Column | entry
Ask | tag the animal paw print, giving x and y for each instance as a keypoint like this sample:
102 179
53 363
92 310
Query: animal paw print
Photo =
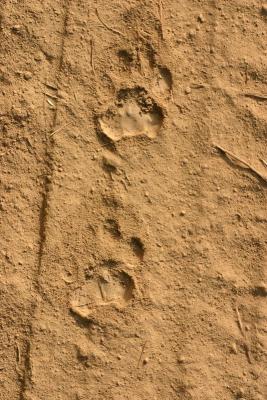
138 110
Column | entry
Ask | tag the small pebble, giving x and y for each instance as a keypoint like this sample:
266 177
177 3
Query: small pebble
234 348
27 75
39 56
16 28
188 90
182 213
264 9
145 361
191 34
201 18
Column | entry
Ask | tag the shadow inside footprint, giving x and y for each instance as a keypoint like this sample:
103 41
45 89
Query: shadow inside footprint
138 247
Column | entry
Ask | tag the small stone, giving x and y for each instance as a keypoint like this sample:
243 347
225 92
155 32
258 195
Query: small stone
39 56
234 348
27 75
191 34
181 360
145 361
16 28
182 213
188 90
264 9
200 18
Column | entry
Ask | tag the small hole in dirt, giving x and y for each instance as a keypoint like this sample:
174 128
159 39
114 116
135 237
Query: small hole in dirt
111 263
126 56
138 247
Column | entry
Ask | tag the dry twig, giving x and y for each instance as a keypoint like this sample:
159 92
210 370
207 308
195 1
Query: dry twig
229 153
18 353
50 85
161 18
92 45
101 291
256 96
263 162
106 26
239 320
241 327
50 95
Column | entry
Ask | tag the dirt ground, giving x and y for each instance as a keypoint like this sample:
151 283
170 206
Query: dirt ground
133 200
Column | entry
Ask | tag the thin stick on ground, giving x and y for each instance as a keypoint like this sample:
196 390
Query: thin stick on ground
92 45
142 352
50 85
229 153
263 162
240 323
50 95
18 353
256 96
242 330
106 26
161 18
101 291
58 130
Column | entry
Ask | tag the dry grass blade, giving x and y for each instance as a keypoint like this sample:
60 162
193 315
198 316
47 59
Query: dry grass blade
106 26
50 95
256 96
240 323
92 45
58 130
245 163
160 6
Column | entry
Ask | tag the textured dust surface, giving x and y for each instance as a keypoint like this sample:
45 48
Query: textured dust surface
133 213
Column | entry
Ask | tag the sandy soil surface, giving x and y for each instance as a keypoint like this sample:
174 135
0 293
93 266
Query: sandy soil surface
133 200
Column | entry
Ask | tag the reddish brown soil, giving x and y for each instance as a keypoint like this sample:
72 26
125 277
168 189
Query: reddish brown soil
133 250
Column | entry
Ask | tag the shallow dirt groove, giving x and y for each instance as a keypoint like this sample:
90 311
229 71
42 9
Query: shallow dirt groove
133 252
